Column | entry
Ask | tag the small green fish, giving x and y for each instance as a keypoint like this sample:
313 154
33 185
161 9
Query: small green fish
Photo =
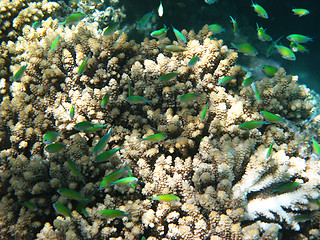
216 28
55 44
73 18
142 23
246 48
180 37
155 137
272 47
166 198
271 117
105 100
298 38
160 10
112 27
62 209
112 213
30 205
75 170
296 47
268 70
188 97
19 73
132 184
54 147
193 61
161 33
106 155
248 81
260 10
300 11
251 125
316 147
256 92
36 24
137 99
102 142
204 112
262 34
235 26
95 127
143 238
287 187
167 77
50 137
225 80
71 194
125 181
269 150
173 48
83 65
72 112
112 177
286 53
82 126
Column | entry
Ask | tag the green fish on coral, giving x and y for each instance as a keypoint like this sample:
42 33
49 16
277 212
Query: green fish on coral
161 33
155 137
173 48
316 147
62 210
73 18
105 100
112 177
72 112
248 81
167 77
112 213
83 65
102 142
216 28
55 44
54 147
19 73
137 100
166 198
105 156
287 187
225 80
180 37
30 205
75 170
204 112
71 194
193 61
125 181
251 125
272 117
110 29
50 137
188 97
269 150
268 70
246 49
83 126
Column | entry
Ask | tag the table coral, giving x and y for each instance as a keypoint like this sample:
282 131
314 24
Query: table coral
220 172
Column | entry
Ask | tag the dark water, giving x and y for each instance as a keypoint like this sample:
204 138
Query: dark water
184 14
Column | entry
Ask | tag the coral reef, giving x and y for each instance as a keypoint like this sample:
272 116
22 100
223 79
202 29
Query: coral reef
221 173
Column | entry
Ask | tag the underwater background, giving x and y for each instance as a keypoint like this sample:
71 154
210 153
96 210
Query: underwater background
159 119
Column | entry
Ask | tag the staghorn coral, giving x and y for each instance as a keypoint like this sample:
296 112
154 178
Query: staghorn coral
220 172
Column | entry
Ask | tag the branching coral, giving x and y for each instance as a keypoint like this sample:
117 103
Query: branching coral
220 172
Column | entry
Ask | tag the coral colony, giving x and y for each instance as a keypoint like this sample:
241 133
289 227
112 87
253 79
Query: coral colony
105 138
